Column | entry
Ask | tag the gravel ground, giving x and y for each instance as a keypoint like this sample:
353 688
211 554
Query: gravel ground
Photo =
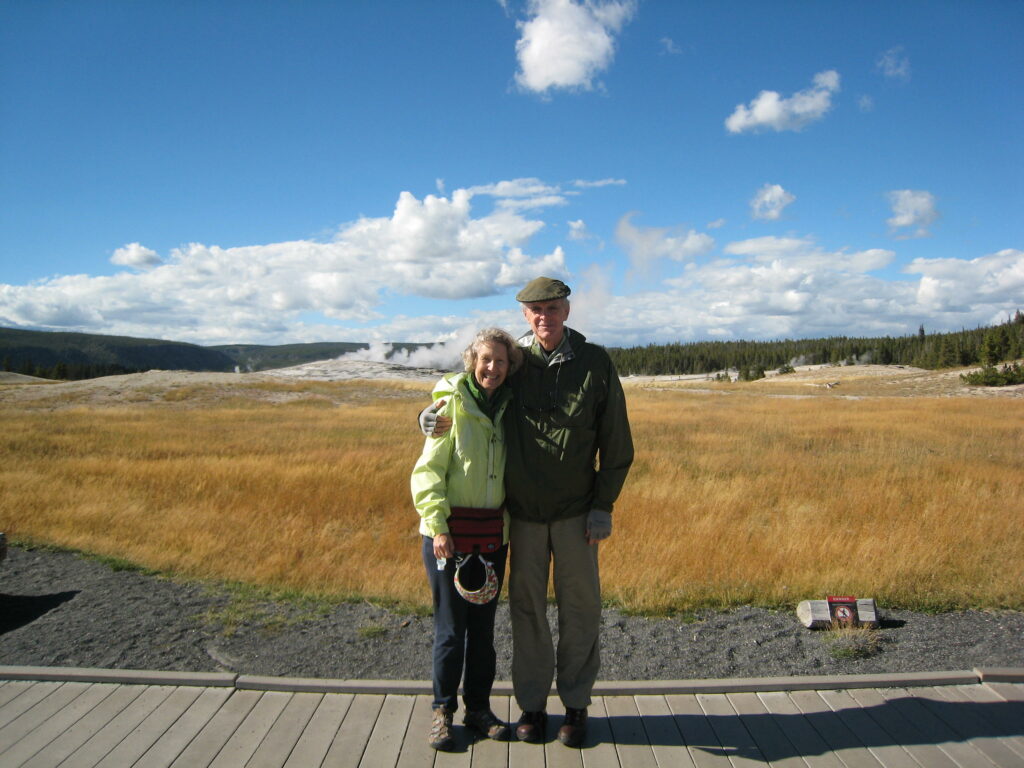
61 609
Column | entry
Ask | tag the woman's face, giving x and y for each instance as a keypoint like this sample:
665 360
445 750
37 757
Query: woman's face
491 366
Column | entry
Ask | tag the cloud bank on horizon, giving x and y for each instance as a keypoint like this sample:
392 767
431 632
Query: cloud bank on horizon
745 263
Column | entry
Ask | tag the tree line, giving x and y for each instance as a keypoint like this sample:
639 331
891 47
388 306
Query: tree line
987 346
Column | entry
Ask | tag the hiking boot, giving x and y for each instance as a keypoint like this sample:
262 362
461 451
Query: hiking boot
532 726
486 724
574 727
441 730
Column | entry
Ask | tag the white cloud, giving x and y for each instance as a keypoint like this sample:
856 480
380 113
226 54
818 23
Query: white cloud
645 245
135 255
958 285
865 103
567 44
716 224
578 230
584 184
894 64
770 110
769 202
668 46
432 247
912 208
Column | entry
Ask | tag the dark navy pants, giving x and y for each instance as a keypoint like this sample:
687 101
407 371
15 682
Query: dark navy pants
463 635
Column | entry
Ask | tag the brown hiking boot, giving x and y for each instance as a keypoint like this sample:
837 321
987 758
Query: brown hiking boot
441 730
574 727
486 724
532 727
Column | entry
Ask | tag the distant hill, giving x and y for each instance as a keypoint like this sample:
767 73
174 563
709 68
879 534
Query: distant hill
258 357
63 355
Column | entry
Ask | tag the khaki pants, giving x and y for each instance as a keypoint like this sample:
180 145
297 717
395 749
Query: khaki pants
578 594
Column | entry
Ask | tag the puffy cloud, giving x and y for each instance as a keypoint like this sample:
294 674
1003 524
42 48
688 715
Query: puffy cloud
432 247
770 110
645 245
135 255
912 208
894 64
769 202
566 44
958 285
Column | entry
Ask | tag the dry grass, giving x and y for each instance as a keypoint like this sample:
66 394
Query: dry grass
734 499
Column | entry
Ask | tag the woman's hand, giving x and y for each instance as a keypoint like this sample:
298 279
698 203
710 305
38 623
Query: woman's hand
444 545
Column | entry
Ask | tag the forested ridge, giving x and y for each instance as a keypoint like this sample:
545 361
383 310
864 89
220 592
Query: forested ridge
985 346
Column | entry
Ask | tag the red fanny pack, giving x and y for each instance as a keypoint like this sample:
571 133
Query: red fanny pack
476 530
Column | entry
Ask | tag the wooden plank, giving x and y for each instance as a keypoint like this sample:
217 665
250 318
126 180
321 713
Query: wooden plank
146 733
556 754
251 732
631 742
32 694
202 750
842 741
970 721
1006 715
388 732
166 749
880 743
701 741
522 754
488 753
18 753
666 742
350 740
806 741
32 717
933 729
10 689
123 723
121 696
599 747
900 729
763 728
416 753
1007 691
284 734
737 743
316 739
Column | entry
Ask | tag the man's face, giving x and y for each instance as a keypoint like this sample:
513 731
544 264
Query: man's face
547 320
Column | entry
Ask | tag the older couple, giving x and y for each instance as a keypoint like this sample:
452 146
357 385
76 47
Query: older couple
531 446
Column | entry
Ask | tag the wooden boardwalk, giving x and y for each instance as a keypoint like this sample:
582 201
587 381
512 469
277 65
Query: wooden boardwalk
82 718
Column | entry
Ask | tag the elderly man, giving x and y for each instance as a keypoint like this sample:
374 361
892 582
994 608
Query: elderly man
569 449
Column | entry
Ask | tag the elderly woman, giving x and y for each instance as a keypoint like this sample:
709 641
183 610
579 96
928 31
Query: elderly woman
458 482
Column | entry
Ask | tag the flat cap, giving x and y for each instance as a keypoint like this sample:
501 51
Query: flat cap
543 289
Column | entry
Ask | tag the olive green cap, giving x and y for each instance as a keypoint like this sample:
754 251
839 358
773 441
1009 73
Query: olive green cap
543 289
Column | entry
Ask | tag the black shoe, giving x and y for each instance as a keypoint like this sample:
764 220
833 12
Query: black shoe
574 727
532 727
486 724
441 730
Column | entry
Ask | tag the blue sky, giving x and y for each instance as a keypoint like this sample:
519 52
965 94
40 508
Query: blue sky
277 172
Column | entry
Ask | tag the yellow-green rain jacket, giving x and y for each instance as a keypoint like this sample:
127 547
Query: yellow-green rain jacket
466 466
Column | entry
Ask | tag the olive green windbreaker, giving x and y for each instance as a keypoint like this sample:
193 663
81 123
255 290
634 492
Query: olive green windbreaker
567 433
466 466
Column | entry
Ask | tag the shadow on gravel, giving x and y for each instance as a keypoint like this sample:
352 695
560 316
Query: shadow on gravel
18 610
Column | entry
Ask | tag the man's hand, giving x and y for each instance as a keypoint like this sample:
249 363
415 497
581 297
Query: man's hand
599 525
444 546
431 424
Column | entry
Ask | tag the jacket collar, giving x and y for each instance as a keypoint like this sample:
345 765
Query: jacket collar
563 353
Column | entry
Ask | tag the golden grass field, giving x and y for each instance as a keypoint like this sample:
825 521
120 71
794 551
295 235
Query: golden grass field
737 495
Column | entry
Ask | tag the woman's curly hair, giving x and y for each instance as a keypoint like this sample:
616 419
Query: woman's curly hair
493 336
